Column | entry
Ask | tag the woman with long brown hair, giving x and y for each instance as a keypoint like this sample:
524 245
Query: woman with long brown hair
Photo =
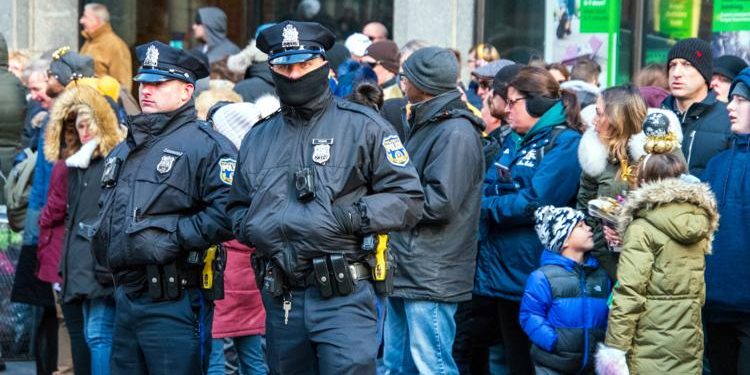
539 168
608 152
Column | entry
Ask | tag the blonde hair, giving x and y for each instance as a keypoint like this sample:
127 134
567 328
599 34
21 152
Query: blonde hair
208 98
485 51
625 111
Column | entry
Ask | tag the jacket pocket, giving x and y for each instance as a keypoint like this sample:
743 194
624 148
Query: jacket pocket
153 240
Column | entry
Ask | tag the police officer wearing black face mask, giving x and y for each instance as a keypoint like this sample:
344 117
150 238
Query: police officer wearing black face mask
162 209
312 181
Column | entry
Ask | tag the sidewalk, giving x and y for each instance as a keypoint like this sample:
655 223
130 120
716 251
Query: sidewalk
20 368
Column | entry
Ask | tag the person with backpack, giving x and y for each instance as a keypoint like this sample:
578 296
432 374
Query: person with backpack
538 168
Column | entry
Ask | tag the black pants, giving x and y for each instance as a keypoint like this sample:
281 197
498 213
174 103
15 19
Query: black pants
45 341
476 331
728 348
73 315
517 344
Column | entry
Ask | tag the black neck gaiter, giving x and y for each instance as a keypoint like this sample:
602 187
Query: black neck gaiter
298 92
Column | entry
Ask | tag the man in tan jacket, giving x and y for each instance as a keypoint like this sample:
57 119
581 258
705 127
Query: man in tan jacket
111 54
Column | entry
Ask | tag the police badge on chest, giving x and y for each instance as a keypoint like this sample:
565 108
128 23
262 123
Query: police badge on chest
168 158
321 150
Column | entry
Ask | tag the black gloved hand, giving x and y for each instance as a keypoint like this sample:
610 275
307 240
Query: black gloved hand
348 217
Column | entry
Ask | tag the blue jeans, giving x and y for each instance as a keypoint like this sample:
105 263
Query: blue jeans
419 337
249 352
30 234
99 319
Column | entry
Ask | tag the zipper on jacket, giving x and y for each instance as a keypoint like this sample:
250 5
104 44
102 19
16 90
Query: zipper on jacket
690 147
585 319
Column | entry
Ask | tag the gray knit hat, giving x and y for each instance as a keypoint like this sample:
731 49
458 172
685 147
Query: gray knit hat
68 65
433 70
553 225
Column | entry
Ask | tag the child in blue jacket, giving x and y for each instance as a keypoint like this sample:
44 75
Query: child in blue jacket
564 306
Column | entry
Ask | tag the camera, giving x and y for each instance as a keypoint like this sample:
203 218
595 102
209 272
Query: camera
111 172
304 184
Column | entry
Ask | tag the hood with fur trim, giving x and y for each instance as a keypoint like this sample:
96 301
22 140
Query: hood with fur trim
104 121
681 226
594 156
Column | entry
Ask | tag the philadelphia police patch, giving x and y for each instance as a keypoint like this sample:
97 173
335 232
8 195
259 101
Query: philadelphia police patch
226 170
395 151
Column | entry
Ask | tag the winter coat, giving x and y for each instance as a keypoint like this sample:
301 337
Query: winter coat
600 177
258 82
435 260
667 227
564 312
585 92
241 312
168 196
543 170
83 276
111 55
217 46
52 226
394 111
42 171
727 175
12 115
365 168
706 128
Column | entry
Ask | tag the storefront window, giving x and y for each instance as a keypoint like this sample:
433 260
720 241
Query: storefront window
515 28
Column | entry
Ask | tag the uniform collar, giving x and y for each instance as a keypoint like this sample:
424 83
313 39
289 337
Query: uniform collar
146 127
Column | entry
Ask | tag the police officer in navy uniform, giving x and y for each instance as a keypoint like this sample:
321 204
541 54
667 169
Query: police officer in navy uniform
312 181
162 206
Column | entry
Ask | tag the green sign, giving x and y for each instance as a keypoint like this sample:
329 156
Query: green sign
677 18
731 15
595 16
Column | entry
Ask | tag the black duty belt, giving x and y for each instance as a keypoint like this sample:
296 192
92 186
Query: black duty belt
359 271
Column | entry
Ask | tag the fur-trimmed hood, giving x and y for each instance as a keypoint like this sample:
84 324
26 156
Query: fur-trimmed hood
683 226
104 122
594 156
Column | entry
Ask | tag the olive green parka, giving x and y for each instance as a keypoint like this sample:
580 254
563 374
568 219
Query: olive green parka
667 228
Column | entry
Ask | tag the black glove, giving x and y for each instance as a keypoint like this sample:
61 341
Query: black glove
348 217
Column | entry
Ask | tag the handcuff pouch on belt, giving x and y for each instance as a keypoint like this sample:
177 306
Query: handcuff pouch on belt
204 270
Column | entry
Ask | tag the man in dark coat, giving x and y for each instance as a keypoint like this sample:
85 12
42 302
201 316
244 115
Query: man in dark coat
163 197
210 28
436 259
313 180
705 121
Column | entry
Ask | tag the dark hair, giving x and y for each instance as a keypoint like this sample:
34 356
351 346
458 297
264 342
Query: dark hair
367 94
586 70
542 90
560 68
654 167
652 75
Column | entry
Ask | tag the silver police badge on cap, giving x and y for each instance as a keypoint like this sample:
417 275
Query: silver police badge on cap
291 37
152 57
321 150
166 163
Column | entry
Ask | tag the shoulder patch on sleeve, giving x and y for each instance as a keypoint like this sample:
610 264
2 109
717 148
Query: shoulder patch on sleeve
226 170
395 151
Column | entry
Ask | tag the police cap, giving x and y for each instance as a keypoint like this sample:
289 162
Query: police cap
160 62
291 42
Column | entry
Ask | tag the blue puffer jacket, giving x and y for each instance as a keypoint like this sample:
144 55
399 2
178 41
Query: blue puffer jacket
564 312
42 173
544 170
727 173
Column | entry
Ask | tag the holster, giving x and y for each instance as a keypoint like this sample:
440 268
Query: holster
273 280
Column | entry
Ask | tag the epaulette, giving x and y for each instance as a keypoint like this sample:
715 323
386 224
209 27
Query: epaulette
206 127
361 109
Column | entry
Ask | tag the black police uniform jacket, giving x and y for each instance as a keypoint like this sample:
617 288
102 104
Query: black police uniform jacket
169 197
359 159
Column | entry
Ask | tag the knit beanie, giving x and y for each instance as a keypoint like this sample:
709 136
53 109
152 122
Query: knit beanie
729 66
741 84
553 225
68 65
433 70
697 52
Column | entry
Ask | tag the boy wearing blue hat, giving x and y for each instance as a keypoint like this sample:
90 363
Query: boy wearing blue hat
162 208
727 309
